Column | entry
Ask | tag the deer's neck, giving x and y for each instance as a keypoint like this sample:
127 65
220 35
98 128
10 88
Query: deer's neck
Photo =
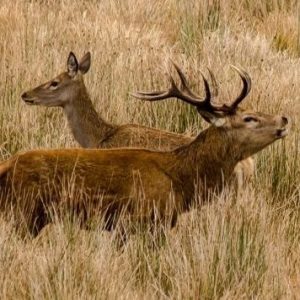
208 161
88 128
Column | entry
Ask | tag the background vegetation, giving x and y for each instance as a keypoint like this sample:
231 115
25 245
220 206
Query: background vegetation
249 248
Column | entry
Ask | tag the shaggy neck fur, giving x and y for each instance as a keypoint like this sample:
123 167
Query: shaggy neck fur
88 128
212 157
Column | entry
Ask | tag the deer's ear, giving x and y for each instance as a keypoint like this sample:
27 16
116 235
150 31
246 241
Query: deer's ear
72 64
212 119
218 122
85 63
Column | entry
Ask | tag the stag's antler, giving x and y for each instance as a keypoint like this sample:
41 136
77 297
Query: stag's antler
184 84
185 94
246 87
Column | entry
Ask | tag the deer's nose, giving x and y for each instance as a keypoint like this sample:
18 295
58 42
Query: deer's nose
284 120
24 95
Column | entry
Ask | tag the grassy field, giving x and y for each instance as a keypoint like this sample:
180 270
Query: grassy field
230 249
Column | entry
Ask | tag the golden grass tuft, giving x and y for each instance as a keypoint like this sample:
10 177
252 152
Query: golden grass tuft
230 249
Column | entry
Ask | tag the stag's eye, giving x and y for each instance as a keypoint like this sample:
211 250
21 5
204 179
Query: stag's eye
250 119
54 84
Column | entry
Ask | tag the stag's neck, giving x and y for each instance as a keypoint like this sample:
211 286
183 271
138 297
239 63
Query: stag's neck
88 128
210 158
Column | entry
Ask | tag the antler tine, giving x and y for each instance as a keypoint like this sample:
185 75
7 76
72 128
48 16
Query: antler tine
183 81
157 95
220 110
214 83
207 89
154 93
185 94
246 87
204 104
149 96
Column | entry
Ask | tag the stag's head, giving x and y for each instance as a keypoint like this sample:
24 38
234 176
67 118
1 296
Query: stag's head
247 131
62 89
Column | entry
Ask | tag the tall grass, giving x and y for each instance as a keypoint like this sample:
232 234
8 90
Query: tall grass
230 249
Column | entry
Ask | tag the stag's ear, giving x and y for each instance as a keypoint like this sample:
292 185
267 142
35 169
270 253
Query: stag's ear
218 122
72 64
85 63
212 119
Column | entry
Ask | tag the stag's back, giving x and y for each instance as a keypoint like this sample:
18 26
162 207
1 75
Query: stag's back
115 171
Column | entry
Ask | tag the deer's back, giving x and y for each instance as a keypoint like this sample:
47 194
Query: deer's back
132 135
110 180
120 174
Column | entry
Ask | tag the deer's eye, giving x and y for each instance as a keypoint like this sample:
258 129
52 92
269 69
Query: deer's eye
54 84
250 119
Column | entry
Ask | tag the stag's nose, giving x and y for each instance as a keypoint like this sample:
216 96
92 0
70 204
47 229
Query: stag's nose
284 121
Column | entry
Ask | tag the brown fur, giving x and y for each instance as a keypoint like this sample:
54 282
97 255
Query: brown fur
145 184
92 131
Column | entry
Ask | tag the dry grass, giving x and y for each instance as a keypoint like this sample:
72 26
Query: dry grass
229 249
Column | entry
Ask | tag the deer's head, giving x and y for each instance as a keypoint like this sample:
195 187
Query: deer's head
247 131
62 89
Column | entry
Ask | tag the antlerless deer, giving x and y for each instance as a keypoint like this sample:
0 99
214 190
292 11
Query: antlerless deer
68 91
144 184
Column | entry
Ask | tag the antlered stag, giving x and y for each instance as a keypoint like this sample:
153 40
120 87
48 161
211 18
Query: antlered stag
68 91
146 185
